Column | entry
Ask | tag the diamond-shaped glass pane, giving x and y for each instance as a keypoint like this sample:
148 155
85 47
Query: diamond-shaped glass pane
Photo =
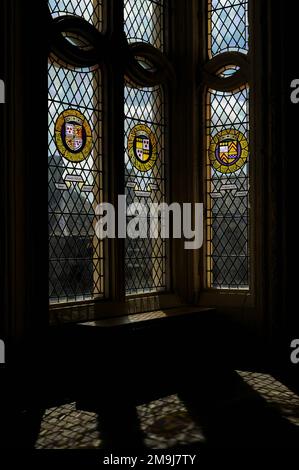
75 183
145 258
228 26
228 190
143 21
90 10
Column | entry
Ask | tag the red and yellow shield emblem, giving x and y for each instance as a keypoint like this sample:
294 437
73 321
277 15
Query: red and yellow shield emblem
73 135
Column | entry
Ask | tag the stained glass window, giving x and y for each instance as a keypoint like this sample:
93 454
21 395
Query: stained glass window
227 164
76 264
145 175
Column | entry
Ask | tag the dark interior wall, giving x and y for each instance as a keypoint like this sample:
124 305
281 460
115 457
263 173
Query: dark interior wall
273 183
23 172
287 193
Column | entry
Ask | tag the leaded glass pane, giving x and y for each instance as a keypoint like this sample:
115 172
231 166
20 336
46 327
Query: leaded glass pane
143 21
145 258
75 183
228 26
228 189
90 10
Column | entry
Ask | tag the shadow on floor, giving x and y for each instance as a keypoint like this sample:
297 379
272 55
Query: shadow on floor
227 410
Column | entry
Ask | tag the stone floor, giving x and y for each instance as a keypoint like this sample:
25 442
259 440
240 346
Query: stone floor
165 422
275 393
267 405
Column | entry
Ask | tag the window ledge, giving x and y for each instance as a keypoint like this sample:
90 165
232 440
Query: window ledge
147 317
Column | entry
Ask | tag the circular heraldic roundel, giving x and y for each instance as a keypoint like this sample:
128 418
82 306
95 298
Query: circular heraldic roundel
228 151
73 135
